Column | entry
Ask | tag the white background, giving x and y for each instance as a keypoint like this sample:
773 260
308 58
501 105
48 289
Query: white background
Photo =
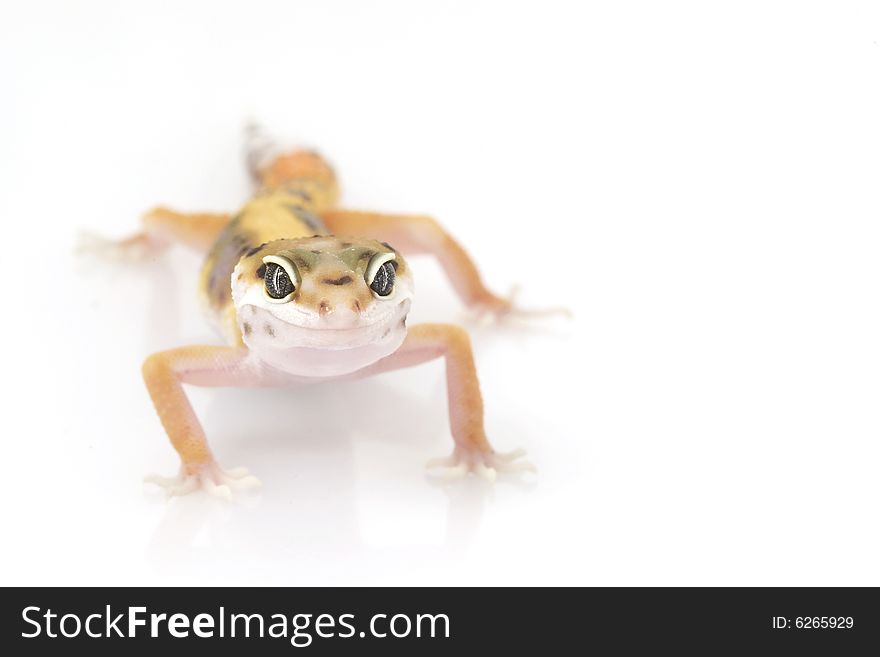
698 183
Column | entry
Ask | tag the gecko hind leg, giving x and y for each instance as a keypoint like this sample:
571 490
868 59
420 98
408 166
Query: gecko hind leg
472 452
165 373
161 228
483 316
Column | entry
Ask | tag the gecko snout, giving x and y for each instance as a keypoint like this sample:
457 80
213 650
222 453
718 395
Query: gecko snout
341 310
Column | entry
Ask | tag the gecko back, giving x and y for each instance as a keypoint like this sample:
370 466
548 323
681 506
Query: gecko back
293 188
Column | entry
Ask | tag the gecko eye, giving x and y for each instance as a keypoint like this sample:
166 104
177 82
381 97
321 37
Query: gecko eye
380 274
279 279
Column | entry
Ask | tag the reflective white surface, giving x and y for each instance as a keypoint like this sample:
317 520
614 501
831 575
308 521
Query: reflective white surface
700 189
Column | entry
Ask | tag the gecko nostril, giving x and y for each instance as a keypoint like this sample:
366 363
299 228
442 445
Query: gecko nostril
356 306
324 308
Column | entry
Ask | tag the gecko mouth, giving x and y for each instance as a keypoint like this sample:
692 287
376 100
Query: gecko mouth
318 351
266 328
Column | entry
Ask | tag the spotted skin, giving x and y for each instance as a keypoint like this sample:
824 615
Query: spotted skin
331 326
286 211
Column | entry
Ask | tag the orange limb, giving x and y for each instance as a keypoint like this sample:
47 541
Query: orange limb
161 227
473 452
197 230
165 373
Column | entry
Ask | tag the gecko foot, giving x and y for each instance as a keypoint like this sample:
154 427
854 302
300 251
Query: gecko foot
135 248
499 310
209 478
484 464
138 247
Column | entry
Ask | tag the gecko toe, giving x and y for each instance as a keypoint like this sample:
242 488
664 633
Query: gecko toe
456 471
485 472
441 462
245 483
209 478
507 457
519 466
221 491
163 482
486 465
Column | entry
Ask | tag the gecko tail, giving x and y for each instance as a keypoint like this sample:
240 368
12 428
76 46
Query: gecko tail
272 165
259 150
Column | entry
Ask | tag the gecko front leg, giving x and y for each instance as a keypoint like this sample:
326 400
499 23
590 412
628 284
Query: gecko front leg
472 452
165 373
161 228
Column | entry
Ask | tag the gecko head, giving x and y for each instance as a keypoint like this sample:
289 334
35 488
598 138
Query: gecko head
323 305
